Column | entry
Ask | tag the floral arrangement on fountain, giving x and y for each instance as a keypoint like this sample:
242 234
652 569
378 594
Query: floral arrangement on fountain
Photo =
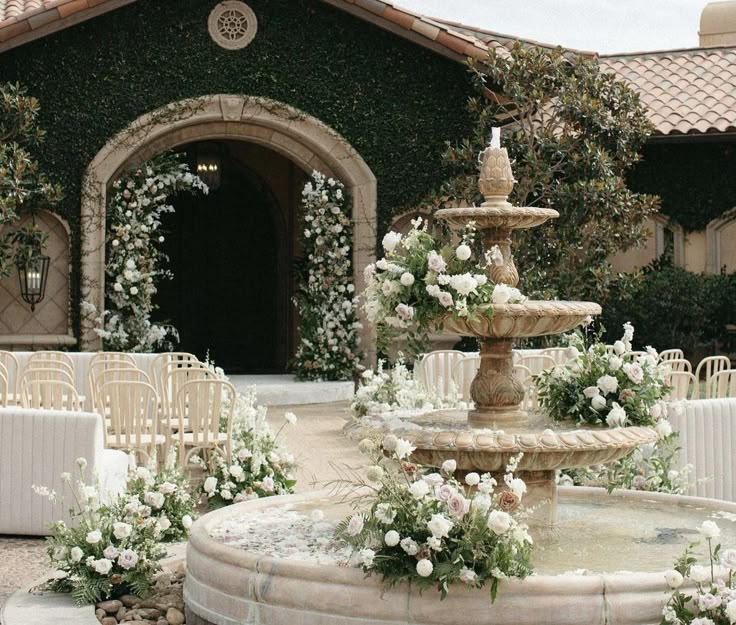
325 298
114 545
606 386
427 527
391 389
260 466
135 262
421 279
712 601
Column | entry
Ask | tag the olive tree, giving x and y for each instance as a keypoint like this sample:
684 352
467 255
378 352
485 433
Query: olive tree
572 132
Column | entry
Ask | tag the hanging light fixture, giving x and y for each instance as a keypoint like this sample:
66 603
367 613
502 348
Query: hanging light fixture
209 167
33 274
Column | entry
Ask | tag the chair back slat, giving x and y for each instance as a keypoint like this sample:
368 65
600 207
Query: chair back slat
671 354
203 403
684 385
708 367
537 363
464 374
558 354
436 371
679 364
722 384
49 395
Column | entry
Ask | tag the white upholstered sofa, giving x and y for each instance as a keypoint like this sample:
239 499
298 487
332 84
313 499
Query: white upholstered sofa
36 447
707 429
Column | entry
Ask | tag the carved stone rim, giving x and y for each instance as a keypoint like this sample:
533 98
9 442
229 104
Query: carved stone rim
543 308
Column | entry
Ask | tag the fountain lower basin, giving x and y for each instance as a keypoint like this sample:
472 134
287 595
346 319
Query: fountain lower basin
635 531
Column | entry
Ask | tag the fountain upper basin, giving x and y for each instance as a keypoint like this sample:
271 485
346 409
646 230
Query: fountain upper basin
226 585
530 318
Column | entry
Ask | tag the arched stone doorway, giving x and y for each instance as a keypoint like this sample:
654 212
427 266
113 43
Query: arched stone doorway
302 139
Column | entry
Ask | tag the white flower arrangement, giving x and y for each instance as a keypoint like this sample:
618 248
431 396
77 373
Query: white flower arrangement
598 385
425 526
260 465
134 261
112 548
385 390
422 279
710 597
325 298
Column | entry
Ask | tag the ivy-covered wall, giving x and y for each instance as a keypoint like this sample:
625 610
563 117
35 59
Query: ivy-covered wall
695 181
395 102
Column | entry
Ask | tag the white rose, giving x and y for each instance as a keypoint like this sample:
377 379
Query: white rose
392 538
698 573
499 522
237 472
615 363
102 566
449 466
728 558
167 488
407 279
435 262
121 530
445 299
128 559
409 546
472 479
463 252
404 311
76 554
663 428
501 294
708 602
390 241
434 479
425 567
607 384
467 575
164 523
656 411
439 525
709 529
154 499
634 372
598 402
464 283
673 578
419 489
591 391
209 485
267 484
403 448
186 521
355 525
94 537
366 557
731 611
616 417
619 347
517 486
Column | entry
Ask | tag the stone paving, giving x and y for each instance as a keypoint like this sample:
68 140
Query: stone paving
316 441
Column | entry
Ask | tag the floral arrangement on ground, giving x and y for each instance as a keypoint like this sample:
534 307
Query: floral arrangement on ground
710 598
135 263
260 465
325 297
423 278
424 526
116 540
599 385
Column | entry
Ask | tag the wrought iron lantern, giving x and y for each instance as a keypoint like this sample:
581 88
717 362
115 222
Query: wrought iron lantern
209 168
33 275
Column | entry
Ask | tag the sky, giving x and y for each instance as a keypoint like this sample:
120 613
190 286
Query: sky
605 26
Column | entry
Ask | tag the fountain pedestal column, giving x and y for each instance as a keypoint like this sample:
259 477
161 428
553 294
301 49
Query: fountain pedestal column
497 394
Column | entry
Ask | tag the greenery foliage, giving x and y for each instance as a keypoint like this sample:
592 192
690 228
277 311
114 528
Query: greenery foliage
23 186
697 307
573 132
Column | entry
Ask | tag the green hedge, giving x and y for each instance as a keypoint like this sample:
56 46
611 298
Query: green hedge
671 307
394 101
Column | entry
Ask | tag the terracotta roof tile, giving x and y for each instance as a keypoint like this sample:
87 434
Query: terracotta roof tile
686 91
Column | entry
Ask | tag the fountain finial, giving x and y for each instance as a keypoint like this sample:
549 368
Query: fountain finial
496 180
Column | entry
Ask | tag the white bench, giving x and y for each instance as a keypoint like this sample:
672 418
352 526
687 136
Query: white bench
707 429
36 447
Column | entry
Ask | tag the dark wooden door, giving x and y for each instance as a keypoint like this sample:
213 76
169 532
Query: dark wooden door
223 299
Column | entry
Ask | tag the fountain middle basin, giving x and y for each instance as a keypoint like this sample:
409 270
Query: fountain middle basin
638 532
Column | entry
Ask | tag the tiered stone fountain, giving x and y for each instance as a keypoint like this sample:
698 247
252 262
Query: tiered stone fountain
632 531
496 393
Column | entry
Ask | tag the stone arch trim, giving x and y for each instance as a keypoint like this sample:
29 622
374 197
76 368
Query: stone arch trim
662 223
713 261
298 136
